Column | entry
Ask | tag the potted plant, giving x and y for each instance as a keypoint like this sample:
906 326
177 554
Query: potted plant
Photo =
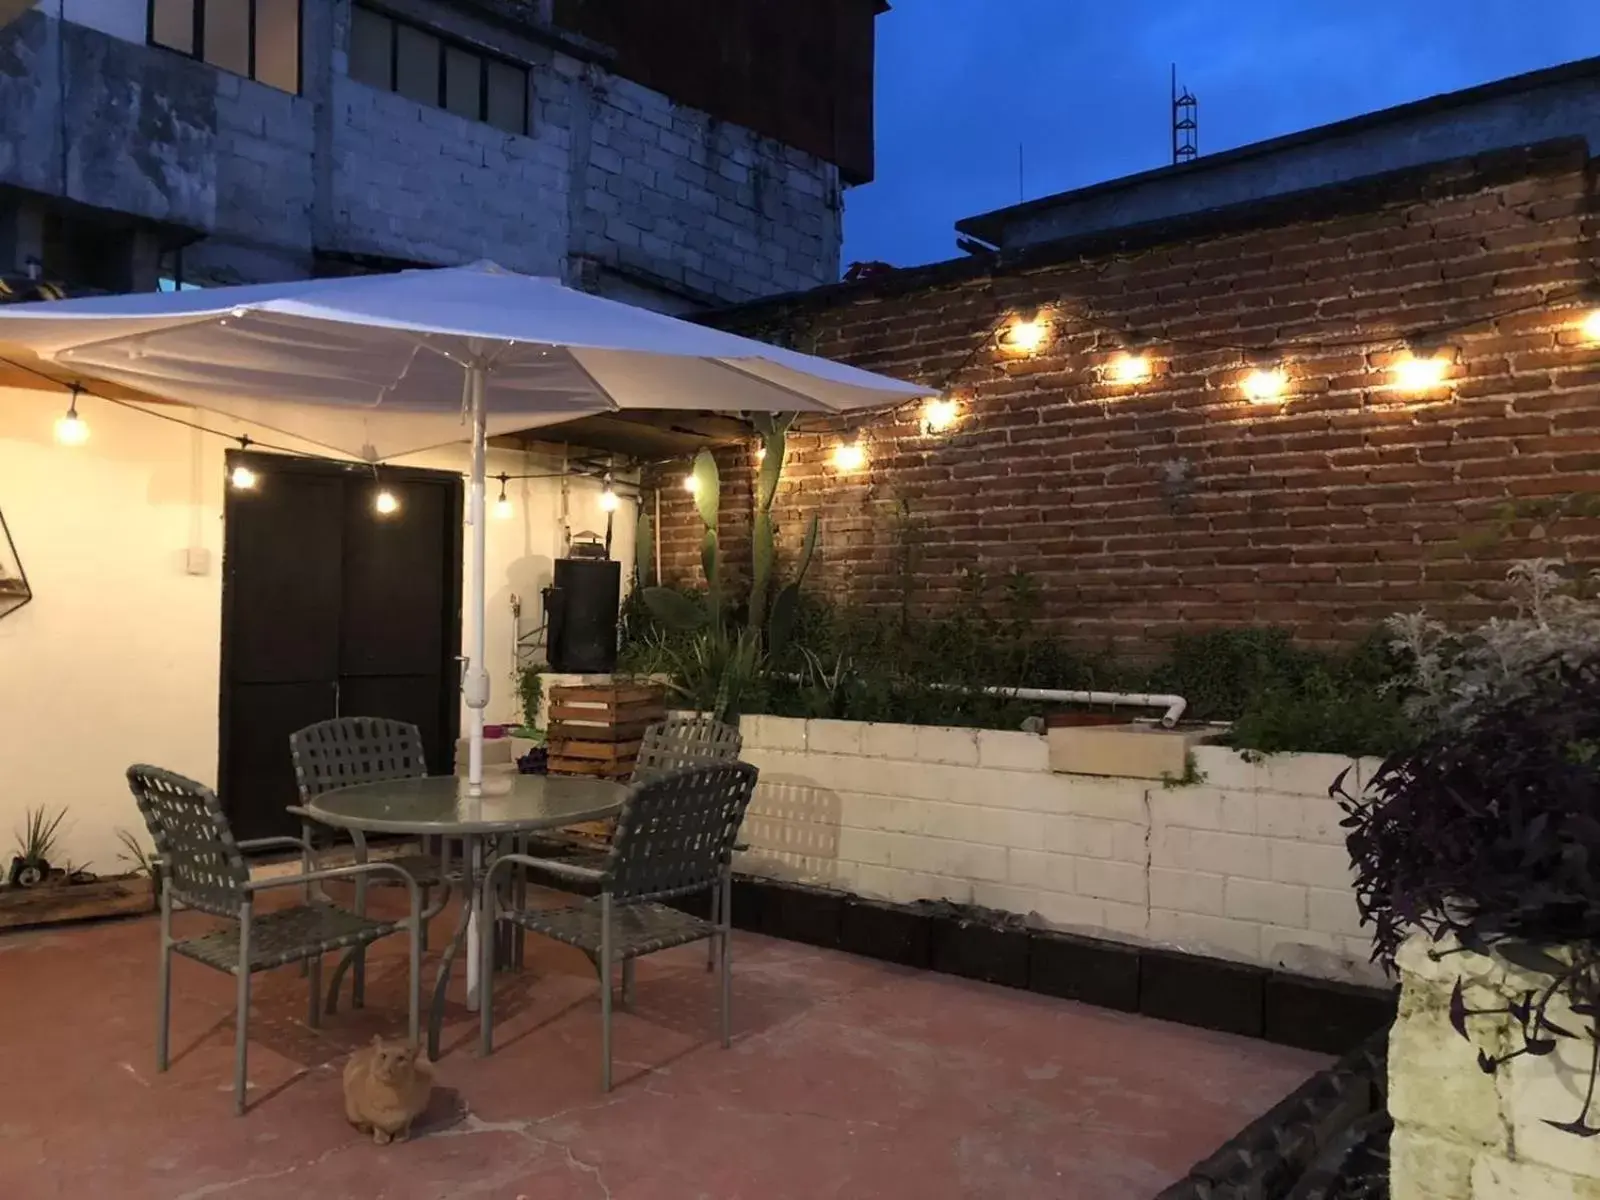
36 840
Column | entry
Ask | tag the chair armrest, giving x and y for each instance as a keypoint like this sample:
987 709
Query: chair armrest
268 843
559 869
261 885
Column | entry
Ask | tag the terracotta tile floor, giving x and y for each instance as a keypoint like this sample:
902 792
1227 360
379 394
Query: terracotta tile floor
848 1078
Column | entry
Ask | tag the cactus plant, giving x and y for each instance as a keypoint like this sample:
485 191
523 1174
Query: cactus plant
679 612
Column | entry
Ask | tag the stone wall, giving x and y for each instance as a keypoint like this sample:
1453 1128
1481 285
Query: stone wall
1461 1134
1249 864
1143 510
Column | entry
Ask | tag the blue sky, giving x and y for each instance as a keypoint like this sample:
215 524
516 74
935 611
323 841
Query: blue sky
1083 85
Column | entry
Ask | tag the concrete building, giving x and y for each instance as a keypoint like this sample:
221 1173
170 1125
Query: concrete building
250 140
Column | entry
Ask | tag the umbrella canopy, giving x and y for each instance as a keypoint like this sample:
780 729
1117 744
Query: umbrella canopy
373 365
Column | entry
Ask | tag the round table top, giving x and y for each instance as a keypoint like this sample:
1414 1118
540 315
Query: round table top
440 805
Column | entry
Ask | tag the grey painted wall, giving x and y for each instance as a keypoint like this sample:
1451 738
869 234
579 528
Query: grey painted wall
612 178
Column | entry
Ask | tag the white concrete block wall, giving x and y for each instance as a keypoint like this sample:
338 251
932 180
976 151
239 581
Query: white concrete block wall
1249 864
1463 1135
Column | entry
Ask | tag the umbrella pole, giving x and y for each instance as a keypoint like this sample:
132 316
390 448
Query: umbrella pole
477 681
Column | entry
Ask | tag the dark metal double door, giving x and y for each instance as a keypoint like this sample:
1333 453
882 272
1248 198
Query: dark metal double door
330 608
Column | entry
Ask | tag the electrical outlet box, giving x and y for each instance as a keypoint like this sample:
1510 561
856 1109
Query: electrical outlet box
197 561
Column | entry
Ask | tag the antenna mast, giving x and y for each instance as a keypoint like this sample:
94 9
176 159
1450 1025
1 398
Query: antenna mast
1185 123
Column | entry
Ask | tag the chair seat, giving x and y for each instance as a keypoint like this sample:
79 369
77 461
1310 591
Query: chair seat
636 929
286 936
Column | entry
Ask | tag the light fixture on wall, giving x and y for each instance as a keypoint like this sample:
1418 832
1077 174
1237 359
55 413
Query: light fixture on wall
940 413
502 506
761 452
71 429
1265 384
851 455
1422 369
243 479
608 496
1026 335
386 503
691 484
1128 368
1591 325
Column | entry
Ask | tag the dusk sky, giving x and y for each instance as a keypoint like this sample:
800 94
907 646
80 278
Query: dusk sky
1084 87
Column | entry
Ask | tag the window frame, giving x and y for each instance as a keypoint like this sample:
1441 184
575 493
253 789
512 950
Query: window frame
198 42
447 42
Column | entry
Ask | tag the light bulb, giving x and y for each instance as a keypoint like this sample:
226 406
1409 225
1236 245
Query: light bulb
1130 368
243 478
502 508
850 456
1266 385
691 484
939 414
1591 326
71 429
386 503
761 452
608 500
1025 337
1413 374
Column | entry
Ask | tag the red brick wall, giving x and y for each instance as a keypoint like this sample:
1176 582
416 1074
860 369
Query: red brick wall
1326 512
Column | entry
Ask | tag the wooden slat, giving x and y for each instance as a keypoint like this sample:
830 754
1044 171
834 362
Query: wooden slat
608 694
627 714
589 766
609 751
51 903
566 731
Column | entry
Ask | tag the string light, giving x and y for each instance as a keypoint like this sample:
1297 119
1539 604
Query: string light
502 506
691 484
243 478
1129 368
71 429
939 414
1265 384
608 497
1026 336
850 456
761 452
1591 326
385 503
1420 373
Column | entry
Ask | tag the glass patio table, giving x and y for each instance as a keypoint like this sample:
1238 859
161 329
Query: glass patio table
439 806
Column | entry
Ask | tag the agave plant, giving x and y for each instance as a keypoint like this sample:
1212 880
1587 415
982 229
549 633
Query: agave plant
714 671
36 841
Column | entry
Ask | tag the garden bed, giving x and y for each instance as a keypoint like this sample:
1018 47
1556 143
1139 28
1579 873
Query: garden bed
57 902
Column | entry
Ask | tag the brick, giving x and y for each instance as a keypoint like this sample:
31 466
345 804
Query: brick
1268 903
1186 891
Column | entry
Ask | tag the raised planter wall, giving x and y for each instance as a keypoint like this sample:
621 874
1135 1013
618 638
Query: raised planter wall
1460 1134
1247 865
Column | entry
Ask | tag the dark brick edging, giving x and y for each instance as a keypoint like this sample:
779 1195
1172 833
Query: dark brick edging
1291 1010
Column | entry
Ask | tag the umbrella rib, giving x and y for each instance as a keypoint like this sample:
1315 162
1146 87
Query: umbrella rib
612 405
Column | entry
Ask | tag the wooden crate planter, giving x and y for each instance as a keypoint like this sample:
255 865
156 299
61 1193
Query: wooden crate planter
596 729
57 902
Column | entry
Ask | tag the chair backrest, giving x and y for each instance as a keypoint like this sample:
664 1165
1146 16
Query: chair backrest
200 861
676 831
689 741
350 750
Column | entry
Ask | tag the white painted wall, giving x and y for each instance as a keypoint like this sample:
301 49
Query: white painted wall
116 660
124 19
1461 1134
1249 865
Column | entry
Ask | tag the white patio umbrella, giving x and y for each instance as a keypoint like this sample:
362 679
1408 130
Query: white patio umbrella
378 366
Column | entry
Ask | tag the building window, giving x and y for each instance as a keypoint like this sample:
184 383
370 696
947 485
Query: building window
259 39
397 56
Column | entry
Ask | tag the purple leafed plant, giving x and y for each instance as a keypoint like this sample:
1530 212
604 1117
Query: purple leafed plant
1490 833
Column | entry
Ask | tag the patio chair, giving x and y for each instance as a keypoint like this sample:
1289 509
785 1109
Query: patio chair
349 750
674 837
670 745
203 868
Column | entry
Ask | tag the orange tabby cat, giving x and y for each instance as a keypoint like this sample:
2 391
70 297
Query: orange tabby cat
386 1087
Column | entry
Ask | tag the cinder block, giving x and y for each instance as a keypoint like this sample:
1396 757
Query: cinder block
1308 863
1006 751
834 737
1265 902
1040 870
889 741
1122 751
1334 911
1107 880
1186 891
958 747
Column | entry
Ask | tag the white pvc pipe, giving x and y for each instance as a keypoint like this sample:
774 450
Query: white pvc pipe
477 680
1173 704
